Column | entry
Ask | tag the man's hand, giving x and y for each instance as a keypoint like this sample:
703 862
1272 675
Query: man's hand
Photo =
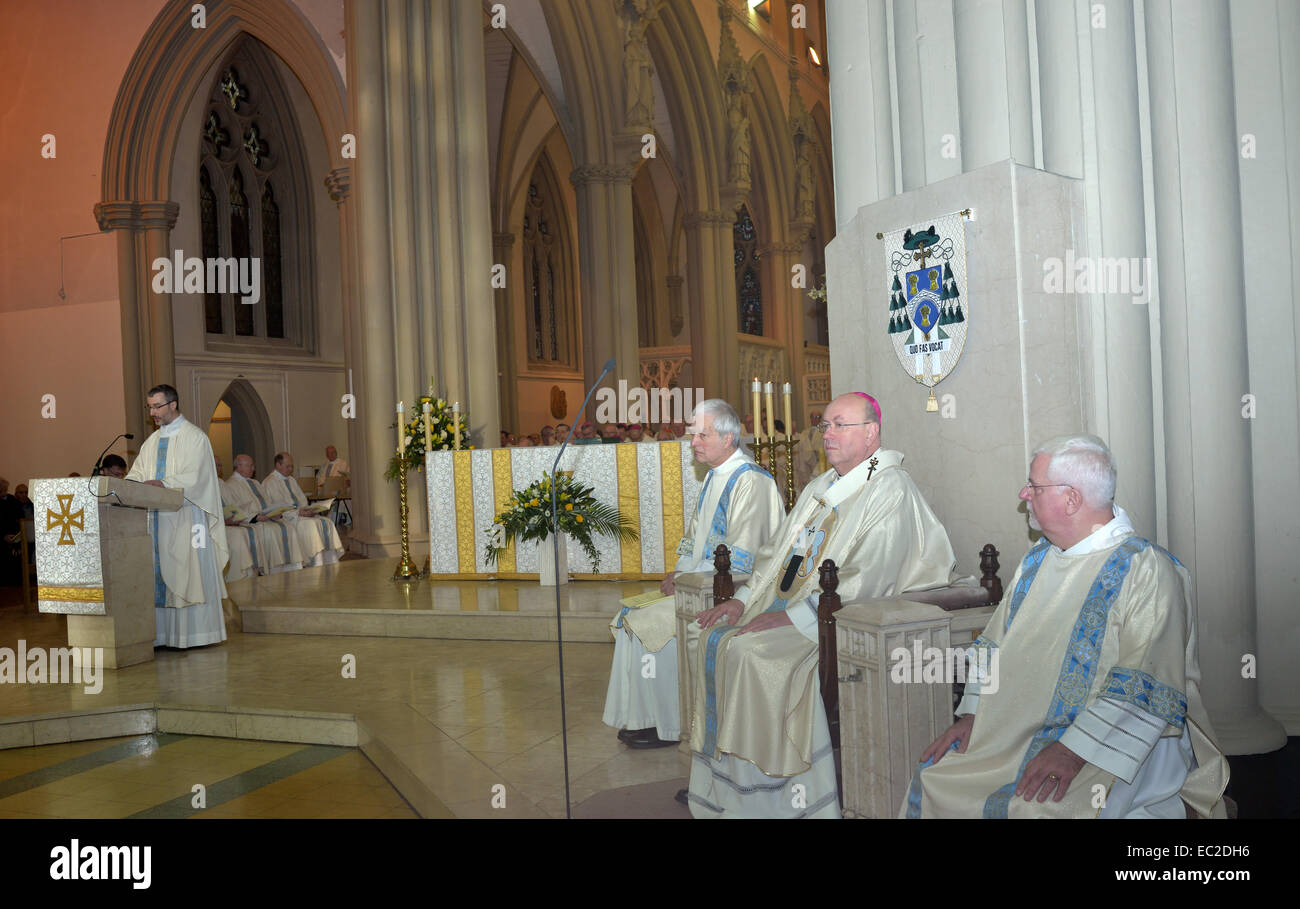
958 732
765 621
231 522
1052 770
666 586
731 610
153 482
305 512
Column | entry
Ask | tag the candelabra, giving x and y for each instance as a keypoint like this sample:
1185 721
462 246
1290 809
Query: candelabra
770 446
406 570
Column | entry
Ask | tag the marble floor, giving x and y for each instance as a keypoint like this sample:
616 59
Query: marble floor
153 776
461 728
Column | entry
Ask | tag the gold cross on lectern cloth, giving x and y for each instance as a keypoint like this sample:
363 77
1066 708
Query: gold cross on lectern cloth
67 518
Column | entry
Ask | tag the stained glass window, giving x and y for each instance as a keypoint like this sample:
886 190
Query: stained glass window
272 294
212 316
749 289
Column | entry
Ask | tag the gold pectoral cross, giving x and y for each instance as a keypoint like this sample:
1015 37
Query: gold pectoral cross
872 465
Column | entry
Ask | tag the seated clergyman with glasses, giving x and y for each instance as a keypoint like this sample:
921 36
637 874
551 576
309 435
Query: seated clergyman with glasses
759 734
1096 711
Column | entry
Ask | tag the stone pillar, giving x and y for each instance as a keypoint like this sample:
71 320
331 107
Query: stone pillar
862 124
608 272
1203 341
1058 87
507 370
1119 321
375 505
148 352
992 43
711 276
927 93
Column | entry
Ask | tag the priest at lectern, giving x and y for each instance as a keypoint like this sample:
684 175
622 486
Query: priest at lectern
190 550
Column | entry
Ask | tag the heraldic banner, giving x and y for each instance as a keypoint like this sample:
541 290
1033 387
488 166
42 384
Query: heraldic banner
929 310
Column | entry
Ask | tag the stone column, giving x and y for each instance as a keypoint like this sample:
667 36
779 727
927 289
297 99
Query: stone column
711 277
375 505
1203 340
507 370
791 302
862 124
992 43
1058 87
148 352
608 272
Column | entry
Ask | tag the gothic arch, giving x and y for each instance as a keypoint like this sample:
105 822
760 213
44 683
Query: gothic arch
245 402
167 70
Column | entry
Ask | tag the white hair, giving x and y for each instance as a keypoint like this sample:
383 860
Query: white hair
725 419
1084 462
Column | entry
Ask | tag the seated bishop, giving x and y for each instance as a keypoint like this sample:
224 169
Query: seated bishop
1092 707
739 506
760 741
316 533
273 542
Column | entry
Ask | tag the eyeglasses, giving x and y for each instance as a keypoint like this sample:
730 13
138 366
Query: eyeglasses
1039 487
825 427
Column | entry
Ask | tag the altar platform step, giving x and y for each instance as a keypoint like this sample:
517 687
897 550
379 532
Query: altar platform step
357 597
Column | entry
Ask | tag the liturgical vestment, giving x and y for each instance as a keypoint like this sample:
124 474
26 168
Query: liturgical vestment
739 507
1095 648
317 537
275 542
243 561
759 733
190 543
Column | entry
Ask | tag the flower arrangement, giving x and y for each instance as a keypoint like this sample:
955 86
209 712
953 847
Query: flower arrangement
527 516
442 433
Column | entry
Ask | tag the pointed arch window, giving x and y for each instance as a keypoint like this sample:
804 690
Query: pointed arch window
255 207
548 279
749 288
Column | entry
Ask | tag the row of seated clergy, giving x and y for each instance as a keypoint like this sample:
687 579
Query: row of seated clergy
269 546
759 737
1147 744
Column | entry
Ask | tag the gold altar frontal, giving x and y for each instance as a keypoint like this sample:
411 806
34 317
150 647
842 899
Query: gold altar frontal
653 484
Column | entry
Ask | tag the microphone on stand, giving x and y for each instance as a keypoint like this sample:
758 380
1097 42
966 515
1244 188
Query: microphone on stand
559 633
99 463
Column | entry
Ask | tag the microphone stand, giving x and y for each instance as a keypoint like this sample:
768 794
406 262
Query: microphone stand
555 529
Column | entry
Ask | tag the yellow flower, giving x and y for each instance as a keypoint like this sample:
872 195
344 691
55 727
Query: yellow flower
570 508
579 517
534 503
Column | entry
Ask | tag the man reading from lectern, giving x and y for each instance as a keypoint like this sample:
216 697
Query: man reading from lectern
759 734
1097 710
189 544
739 506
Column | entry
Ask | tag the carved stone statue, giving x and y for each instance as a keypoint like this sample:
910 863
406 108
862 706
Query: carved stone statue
738 142
638 71
805 202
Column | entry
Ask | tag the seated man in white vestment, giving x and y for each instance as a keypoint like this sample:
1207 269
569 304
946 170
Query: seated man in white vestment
243 553
739 506
317 537
189 544
1097 682
275 543
761 745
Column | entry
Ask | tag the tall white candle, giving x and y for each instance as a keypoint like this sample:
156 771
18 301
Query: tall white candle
401 425
455 420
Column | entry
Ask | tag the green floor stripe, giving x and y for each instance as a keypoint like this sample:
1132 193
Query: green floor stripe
140 745
246 782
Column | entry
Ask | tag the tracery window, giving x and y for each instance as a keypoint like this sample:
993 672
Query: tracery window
547 282
254 204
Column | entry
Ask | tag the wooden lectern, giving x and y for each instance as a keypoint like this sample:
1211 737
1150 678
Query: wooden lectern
94 561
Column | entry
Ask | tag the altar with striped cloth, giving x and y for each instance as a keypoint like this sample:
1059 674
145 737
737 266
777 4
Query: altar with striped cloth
653 484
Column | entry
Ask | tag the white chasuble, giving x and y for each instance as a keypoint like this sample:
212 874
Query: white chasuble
190 550
243 548
739 507
318 539
275 542
1096 649
756 694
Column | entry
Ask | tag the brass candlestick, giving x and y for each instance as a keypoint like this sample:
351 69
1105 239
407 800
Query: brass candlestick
788 444
406 570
